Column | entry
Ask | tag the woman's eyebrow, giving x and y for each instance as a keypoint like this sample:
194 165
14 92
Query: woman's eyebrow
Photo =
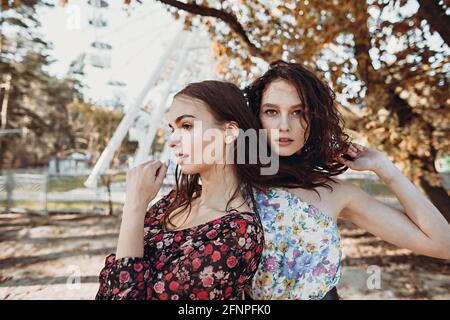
299 105
269 105
178 119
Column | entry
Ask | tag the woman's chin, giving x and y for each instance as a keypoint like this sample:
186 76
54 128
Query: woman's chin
284 152
190 168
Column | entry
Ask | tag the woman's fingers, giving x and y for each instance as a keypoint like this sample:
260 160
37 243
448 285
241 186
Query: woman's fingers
355 147
145 163
352 151
355 150
344 161
359 147
155 164
161 174
151 169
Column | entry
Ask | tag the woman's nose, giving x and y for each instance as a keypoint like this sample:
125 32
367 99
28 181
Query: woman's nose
284 123
174 140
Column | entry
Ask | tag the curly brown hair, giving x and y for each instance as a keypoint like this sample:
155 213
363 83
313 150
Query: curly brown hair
315 164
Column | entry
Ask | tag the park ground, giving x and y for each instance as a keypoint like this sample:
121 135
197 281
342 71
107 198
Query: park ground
42 256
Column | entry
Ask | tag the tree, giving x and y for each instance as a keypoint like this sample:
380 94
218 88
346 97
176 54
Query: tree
92 126
35 101
380 57
51 111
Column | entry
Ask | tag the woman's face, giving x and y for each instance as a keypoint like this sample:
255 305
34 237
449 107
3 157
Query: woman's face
281 113
192 126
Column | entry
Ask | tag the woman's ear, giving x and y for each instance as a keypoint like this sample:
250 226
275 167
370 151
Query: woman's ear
231 132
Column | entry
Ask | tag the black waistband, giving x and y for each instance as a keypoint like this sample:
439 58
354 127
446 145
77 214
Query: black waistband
331 295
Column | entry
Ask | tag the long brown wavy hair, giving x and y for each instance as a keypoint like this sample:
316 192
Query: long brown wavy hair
315 164
227 103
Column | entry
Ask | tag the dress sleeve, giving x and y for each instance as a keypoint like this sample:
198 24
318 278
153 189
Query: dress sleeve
218 266
126 278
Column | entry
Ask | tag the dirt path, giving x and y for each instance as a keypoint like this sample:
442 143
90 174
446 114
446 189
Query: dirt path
403 275
42 258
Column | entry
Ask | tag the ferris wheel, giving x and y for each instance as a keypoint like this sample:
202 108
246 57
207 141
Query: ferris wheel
98 55
181 57
100 51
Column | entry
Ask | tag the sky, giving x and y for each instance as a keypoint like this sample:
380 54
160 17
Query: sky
137 37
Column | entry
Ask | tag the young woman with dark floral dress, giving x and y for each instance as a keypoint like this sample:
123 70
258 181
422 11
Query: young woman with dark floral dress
200 241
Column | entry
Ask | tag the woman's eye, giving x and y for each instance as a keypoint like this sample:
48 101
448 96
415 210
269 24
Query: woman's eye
297 113
270 112
186 126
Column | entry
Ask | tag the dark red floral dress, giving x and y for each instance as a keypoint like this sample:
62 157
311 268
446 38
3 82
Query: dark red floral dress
214 260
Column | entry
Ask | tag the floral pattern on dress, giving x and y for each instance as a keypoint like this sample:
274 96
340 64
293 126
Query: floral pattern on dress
214 260
301 259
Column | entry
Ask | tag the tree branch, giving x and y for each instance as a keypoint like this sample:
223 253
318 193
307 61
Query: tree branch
21 111
229 18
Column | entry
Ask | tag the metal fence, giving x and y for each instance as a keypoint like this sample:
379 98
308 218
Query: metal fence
30 192
23 192
18 189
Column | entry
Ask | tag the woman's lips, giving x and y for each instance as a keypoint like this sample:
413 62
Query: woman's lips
180 157
284 141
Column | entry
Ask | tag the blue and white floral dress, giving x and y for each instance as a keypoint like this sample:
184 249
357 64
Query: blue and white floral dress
302 254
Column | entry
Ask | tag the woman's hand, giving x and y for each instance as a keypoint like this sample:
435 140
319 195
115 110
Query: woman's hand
365 158
417 226
143 183
142 186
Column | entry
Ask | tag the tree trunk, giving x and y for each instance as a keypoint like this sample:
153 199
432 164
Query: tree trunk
108 187
57 163
2 152
439 197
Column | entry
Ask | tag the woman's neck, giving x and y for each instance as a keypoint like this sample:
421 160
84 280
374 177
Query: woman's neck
218 186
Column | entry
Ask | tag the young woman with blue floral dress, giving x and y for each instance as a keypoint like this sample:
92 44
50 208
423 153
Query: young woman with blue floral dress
299 212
